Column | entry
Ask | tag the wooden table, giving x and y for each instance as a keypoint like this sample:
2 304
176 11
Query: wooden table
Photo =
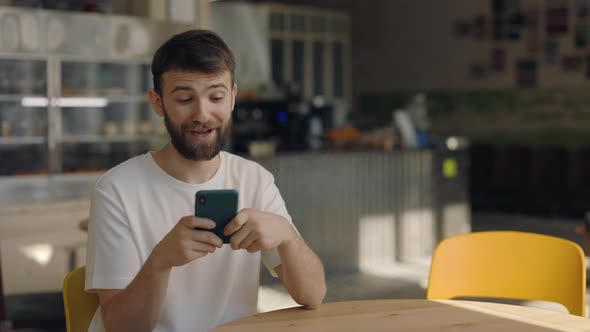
410 315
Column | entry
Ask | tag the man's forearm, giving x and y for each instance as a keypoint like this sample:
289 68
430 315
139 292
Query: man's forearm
139 306
302 273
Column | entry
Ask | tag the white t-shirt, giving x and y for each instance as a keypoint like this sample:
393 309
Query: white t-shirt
135 204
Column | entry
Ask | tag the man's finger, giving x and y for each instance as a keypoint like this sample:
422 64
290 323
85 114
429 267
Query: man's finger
240 219
254 247
203 247
207 238
237 238
245 243
196 222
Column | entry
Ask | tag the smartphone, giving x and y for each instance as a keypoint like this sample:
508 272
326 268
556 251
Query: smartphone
221 206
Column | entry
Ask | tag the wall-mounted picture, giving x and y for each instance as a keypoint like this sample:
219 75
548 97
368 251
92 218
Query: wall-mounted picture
556 18
515 21
526 73
572 63
581 35
498 60
551 51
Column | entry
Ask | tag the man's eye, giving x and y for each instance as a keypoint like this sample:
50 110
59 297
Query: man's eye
183 100
216 99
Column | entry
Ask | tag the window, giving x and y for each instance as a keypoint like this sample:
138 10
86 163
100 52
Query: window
277 22
277 50
298 55
297 23
318 24
338 67
318 68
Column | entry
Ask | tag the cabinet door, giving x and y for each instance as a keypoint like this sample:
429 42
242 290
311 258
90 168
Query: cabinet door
105 114
105 79
23 116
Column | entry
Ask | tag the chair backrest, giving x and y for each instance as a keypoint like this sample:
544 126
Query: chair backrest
510 265
79 305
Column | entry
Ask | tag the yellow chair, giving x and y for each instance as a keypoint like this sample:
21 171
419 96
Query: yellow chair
510 265
79 305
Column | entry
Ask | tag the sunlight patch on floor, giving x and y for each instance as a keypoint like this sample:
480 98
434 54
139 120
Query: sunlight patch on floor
415 271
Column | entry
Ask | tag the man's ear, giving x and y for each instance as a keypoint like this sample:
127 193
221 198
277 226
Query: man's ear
234 93
157 102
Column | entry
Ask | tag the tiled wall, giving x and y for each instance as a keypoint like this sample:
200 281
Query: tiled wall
357 210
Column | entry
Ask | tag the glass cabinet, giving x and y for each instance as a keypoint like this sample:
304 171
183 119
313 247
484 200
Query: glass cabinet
105 114
23 122
73 90
98 116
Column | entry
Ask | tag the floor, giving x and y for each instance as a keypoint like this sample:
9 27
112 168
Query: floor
409 280
401 281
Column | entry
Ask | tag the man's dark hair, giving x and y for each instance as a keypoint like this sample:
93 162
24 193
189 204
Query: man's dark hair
194 50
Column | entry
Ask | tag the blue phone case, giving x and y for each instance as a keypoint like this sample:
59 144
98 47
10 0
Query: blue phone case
221 206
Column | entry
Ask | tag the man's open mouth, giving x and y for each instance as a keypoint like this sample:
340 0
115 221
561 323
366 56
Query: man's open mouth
201 132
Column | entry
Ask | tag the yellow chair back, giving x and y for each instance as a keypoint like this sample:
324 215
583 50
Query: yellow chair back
79 305
510 265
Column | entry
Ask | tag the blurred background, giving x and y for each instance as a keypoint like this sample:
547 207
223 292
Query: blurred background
389 125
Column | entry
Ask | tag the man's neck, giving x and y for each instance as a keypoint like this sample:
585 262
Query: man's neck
189 171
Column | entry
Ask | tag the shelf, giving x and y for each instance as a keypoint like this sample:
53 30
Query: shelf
113 98
107 139
127 99
21 140
17 97
110 99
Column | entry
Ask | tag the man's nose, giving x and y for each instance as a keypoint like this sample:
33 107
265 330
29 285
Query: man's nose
200 113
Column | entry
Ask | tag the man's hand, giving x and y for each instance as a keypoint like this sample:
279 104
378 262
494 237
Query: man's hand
139 306
184 243
301 271
255 231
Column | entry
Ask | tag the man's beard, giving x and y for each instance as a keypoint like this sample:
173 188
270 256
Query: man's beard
196 151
